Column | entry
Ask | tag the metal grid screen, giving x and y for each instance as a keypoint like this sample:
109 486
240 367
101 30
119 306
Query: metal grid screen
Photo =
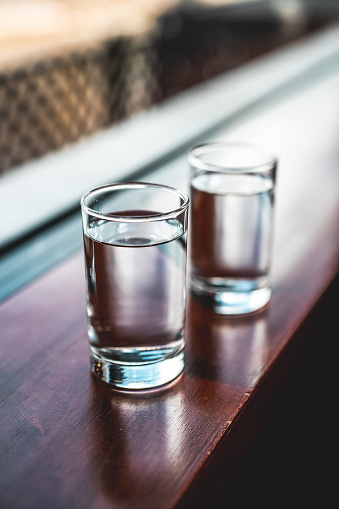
56 102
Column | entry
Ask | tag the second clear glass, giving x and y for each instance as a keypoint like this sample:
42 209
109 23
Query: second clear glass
232 208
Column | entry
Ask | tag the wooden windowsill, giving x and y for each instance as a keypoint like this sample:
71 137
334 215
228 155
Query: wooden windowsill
68 440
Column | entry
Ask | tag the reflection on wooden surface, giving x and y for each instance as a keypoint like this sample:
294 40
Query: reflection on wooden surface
228 349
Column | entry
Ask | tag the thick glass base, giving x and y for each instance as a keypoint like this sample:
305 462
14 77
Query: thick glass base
232 297
138 368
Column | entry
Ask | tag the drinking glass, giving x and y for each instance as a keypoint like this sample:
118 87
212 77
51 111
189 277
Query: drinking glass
135 260
232 206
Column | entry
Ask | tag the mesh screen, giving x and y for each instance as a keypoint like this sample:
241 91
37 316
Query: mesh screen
55 102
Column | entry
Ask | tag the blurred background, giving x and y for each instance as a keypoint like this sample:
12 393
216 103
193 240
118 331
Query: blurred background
69 68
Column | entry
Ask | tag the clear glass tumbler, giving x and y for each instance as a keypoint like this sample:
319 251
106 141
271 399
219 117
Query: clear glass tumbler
135 259
232 206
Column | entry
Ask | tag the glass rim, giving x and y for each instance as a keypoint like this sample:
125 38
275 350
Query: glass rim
215 146
139 219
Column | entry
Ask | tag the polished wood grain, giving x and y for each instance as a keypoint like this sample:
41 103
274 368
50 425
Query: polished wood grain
69 440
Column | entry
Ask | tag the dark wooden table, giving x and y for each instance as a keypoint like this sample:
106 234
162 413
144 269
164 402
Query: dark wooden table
68 440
